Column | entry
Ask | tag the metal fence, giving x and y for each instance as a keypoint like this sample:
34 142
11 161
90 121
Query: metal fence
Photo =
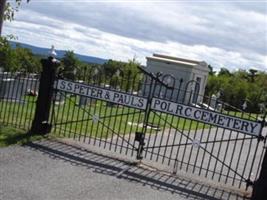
150 117
18 94
166 123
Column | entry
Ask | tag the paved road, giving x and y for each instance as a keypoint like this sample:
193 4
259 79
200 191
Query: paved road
54 170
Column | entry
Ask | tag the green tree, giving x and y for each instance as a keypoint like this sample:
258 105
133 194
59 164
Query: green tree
70 64
27 61
8 59
224 72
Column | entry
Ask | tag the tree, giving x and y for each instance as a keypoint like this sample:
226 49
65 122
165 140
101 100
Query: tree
8 59
70 65
224 72
2 10
27 61
7 11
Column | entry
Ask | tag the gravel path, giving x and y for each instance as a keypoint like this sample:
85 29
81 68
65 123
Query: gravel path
54 170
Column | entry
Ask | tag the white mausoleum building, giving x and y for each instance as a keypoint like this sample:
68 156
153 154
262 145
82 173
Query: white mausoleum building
194 75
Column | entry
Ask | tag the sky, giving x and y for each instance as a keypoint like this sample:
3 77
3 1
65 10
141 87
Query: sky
229 34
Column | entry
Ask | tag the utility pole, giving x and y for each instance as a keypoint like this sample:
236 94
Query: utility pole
2 10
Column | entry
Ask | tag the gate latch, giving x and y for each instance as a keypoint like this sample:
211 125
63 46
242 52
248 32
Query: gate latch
140 137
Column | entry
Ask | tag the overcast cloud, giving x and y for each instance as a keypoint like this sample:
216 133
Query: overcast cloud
223 33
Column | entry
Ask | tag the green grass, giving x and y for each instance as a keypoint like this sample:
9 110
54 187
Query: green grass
10 136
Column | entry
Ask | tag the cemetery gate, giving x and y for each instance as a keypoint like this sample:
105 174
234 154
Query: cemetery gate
156 118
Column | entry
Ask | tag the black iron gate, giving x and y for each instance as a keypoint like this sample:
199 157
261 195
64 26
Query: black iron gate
156 118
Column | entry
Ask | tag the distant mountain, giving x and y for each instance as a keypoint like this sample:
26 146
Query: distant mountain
60 53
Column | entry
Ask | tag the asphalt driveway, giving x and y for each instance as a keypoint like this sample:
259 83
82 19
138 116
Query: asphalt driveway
55 170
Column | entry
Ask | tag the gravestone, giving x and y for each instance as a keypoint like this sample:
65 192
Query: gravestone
11 89
30 85
59 98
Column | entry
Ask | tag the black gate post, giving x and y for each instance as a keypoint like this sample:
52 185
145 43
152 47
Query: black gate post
260 186
40 123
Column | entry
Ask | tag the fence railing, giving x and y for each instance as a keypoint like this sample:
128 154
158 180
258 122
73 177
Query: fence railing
18 94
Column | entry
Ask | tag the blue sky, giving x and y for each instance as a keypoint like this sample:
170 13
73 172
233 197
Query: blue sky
231 34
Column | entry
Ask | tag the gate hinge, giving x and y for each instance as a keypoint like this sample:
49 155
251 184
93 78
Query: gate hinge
249 183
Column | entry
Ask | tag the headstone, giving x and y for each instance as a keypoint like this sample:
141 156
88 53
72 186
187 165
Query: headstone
59 98
213 101
83 101
30 85
11 89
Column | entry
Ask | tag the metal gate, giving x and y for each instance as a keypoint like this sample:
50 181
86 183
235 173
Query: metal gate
155 118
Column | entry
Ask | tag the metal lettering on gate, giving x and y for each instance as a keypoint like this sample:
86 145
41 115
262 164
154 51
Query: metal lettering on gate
207 116
112 96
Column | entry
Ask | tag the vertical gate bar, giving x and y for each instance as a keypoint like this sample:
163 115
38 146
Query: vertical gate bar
178 122
225 154
253 162
99 114
187 138
31 101
218 154
67 115
96 81
240 152
109 121
63 111
153 121
178 149
11 102
105 114
115 119
1 98
204 153
231 164
169 132
191 148
27 107
99 110
77 117
16 104
72 115
185 147
246 162
201 137
7 100
147 81
84 110
212 148
122 112
163 129
131 79
88 115
147 113
20 109
4 103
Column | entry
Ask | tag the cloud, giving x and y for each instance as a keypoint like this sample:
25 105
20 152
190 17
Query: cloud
223 34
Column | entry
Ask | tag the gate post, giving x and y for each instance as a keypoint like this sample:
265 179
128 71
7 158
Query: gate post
40 123
260 186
